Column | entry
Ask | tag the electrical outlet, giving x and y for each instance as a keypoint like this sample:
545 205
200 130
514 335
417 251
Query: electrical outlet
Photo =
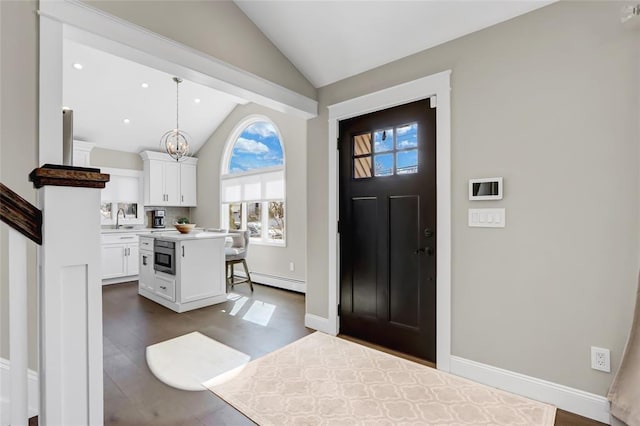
292 267
600 359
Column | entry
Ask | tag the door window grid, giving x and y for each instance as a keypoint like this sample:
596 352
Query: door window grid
394 152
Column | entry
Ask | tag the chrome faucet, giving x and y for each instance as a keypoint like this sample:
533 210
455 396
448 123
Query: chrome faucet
124 216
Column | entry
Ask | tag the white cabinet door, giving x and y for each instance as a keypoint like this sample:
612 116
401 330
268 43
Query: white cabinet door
113 261
155 175
146 279
165 287
188 189
172 183
133 265
201 269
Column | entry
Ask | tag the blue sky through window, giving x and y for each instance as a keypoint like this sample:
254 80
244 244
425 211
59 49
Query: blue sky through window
257 147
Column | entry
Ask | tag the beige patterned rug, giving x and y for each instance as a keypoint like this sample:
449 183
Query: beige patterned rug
324 380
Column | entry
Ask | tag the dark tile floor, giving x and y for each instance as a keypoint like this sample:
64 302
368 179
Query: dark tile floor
132 394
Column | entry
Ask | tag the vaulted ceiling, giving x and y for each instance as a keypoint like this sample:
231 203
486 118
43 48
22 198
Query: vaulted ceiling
326 40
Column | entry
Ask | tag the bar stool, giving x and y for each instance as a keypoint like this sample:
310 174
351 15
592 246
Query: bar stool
235 254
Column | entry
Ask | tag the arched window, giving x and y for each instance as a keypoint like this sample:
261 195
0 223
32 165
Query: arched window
252 176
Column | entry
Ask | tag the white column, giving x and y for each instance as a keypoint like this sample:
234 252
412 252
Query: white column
70 296
18 352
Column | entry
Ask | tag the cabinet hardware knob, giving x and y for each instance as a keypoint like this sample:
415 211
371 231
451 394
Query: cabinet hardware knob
163 287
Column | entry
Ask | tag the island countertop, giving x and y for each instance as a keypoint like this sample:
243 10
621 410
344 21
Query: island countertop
176 236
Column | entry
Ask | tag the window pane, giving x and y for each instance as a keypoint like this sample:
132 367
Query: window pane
257 147
383 140
235 216
384 164
130 210
362 144
407 136
362 167
254 219
105 210
276 220
407 162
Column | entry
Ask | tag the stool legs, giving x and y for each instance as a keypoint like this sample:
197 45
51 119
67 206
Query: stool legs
246 271
229 274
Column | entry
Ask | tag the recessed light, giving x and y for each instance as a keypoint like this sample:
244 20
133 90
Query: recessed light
197 100
144 85
126 121
77 66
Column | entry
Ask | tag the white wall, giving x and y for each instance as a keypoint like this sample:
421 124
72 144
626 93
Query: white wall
549 101
18 140
262 259
101 157
217 28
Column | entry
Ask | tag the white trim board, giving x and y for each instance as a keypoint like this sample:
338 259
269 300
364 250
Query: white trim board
318 323
438 86
274 281
569 399
5 397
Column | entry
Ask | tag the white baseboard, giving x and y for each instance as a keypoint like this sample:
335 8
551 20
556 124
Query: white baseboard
109 281
273 281
569 399
319 323
5 397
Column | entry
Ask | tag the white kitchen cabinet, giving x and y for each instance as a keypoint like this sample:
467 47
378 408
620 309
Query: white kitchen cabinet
168 182
199 269
119 255
199 278
146 276
113 261
188 185
165 286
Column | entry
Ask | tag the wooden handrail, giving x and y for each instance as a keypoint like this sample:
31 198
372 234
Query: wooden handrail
21 215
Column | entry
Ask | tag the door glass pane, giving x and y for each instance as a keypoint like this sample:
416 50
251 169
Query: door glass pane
254 219
384 164
276 220
362 144
407 136
383 140
235 215
362 167
407 162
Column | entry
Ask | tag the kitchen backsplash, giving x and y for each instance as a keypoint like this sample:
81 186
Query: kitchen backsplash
172 214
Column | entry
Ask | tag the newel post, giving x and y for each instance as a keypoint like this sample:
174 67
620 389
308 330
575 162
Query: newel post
70 295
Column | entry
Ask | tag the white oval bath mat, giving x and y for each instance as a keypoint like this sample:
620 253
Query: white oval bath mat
194 362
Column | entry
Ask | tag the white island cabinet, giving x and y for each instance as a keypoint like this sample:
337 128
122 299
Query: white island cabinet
199 264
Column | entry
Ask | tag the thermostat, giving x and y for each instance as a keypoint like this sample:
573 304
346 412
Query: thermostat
485 189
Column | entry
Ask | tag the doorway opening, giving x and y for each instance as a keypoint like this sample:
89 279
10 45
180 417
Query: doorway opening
387 228
436 88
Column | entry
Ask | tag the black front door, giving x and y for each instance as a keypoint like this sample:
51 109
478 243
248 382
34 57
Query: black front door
387 228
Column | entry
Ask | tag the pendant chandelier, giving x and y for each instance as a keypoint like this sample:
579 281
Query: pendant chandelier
175 142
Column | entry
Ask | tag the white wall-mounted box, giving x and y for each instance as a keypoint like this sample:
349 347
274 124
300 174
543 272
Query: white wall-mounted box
485 189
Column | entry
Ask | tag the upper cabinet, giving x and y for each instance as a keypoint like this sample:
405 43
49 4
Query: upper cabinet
168 182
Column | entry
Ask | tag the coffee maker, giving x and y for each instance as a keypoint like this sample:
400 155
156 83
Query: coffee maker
157 218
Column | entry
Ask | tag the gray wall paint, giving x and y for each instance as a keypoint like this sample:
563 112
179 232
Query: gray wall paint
263 259
218 28
549 100
18 141
101 157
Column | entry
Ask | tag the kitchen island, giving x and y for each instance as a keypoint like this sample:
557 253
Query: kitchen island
183 271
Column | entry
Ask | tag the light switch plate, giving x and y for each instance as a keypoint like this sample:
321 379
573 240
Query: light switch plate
487 218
